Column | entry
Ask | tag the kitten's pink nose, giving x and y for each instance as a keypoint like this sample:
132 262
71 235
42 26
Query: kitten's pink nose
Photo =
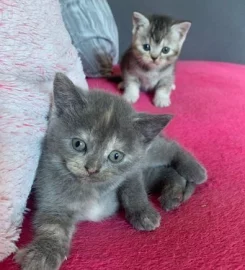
91 170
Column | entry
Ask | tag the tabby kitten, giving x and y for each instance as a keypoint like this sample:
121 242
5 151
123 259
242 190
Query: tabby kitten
98 153
150 61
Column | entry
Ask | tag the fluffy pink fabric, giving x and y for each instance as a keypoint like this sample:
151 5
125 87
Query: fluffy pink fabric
34 44
207 232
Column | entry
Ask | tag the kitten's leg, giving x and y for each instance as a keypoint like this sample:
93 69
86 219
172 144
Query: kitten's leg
172 78
174 188
50 245
187 166
162 97
164 152
139 212
163 92
131 88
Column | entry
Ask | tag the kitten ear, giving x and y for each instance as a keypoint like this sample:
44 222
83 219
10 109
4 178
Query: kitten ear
139 20
150 125
67 97
182 29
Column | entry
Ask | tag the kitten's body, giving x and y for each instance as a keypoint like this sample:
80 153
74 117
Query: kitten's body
86 180
152 69
96 201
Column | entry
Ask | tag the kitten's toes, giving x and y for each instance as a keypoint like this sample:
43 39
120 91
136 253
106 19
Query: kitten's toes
173 196
131 97
147 219
35 257
193 172
161 99
31 259
189 190
201 175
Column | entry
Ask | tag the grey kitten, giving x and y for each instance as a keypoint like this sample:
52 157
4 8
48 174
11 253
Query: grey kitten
149 63
98 154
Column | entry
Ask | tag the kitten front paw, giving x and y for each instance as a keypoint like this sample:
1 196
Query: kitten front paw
170 199
36 256
147 219
161 99
193 172
131 97
173 196
173 87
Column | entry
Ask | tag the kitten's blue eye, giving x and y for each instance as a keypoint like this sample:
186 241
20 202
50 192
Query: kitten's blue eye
79 145
116 156
165 50
146 47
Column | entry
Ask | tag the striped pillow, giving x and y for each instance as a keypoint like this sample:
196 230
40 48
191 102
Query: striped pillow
94 33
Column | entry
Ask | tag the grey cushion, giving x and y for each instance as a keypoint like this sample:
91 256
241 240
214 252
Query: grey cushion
94 34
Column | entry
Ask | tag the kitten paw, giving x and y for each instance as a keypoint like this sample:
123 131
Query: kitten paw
170 202
161 99
38 257
147 219
173 87
131 97
173 196
193 172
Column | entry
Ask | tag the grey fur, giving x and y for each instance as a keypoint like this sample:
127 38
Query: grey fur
152 70
66 190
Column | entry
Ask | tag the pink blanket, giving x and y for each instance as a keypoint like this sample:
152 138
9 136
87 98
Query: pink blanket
206 233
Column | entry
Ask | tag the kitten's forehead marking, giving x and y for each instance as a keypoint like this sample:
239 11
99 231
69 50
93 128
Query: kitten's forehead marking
158 30
83 134
113 144
108 114
156 47
171 39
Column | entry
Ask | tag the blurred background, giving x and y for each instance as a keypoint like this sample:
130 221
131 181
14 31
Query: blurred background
217 32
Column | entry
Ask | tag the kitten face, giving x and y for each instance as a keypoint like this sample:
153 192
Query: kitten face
96 161
157 41
96 155
98 137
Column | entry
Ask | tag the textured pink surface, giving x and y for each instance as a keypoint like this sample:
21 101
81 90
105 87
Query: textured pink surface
208 232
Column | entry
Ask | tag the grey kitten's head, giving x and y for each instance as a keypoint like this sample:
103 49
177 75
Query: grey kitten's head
157 40
97 136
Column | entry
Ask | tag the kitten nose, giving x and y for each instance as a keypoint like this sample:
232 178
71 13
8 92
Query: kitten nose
153 58
91 170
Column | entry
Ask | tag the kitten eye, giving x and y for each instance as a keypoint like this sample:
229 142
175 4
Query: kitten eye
165 50
116 156
79 145
146 47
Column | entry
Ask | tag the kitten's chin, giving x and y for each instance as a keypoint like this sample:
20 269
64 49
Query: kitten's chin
154 65
161 64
